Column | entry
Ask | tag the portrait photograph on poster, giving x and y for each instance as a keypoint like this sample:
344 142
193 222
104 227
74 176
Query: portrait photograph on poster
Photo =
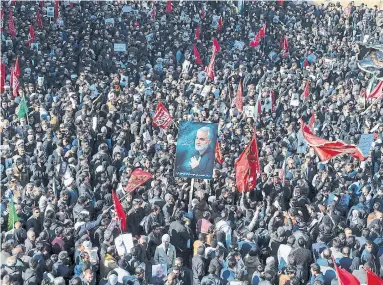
195 150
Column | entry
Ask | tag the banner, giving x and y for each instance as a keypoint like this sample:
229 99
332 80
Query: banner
137 178
162 118
196 150
120 47
328 149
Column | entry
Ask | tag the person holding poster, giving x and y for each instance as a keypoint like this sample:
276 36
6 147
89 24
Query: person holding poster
196 160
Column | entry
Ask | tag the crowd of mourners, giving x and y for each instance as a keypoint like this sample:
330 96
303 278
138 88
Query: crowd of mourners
89 125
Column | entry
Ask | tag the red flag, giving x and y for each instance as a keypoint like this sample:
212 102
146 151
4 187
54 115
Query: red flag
39 20
119 211
306 63
312 120
216 47
2 76
162 117
11 24
71 4
41 4
169 7
280 2
218 154
31 36
328 149
306 92
220 23
203 14
238 100
247 167
210 68
137 178
345 277
153 12
272 97
258 37
15 83
372 278
377 92
17 68
262 31
285 47
197 56
197 32
57 5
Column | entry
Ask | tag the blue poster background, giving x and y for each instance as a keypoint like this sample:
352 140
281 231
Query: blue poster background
186 151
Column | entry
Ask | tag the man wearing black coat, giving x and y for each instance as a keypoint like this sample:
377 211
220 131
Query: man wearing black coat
179 235
135 216
199 266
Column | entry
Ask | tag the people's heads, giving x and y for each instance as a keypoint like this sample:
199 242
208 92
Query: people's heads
315 269
250 236
156 210
301 242
140 273
88 274
165 240
31 235
201 250
203 139
369 245
291 240
179 262
326 253
202 237
348 232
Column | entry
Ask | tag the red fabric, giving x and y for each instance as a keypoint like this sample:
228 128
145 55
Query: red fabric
11 24
137 178
57 5
259 107
377 92
280 2
247 167
39 20
119 211
17 68
31 36
216 46
372 278
70 4
162 117
197 56
169 6
203 14
238 101
41 4
153 12
15 82
285 44
306 63
210 68
312 120
2 76
197 32
262 31
345 277
258 37
220 23
272 101
218 154
306 92
327 149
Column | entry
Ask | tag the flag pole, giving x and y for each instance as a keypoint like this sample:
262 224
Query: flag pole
372 104
191 193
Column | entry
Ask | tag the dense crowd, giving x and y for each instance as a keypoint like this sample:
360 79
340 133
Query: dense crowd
89 125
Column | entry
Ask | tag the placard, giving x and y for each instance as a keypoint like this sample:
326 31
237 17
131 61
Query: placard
127 9
50 12
109 20
195 150
120 47
365 143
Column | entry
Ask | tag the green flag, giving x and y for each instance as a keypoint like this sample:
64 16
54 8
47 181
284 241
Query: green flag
23 109
12 215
